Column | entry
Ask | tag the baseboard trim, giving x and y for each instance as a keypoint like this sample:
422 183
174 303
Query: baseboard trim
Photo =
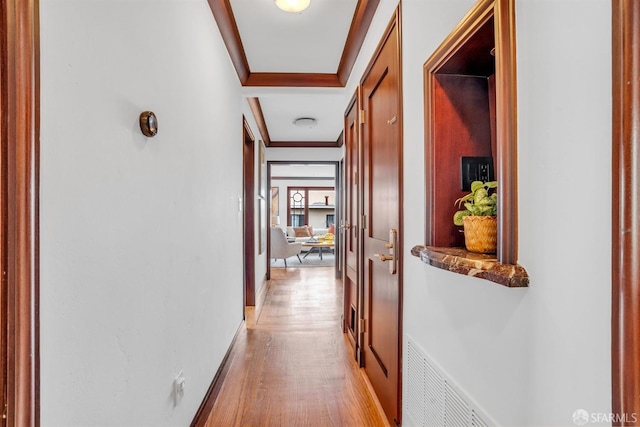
262 296
201 416
374 397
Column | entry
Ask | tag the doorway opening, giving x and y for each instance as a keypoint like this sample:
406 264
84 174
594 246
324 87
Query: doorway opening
305 204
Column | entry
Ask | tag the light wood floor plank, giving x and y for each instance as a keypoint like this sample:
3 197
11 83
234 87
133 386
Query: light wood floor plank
294 367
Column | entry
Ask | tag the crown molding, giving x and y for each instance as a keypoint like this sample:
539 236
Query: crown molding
223 14
304 144
293 80
256 110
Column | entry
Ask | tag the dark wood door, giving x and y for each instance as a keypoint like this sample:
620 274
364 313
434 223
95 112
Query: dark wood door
382 287
351 185
248 225
350 229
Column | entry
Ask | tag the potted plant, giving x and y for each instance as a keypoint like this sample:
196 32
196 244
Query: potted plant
479 217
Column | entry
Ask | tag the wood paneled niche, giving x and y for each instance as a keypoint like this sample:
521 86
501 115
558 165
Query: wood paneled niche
470 111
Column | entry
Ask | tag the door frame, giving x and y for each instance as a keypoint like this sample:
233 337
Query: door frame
352 176
625 232
340 195
19 137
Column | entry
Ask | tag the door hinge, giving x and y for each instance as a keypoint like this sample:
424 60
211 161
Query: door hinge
363 222
363 116
362 325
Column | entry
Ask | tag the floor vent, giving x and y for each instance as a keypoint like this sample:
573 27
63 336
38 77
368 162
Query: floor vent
432 399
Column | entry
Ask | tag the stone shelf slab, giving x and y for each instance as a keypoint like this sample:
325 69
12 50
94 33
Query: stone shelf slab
481 266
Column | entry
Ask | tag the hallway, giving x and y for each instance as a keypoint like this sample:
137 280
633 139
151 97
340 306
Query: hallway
293 367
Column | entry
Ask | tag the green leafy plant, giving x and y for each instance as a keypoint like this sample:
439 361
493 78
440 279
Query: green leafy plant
479 202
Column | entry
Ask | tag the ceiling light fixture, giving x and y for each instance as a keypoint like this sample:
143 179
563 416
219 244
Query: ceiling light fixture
307 122
293 6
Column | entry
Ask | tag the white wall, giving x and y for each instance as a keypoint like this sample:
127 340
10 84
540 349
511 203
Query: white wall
141 255
565 158
527 356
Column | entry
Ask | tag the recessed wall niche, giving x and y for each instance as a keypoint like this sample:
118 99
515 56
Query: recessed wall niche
470 111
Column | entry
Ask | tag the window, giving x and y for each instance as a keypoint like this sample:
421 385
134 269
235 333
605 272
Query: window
296 220
297 207
331 219
312 206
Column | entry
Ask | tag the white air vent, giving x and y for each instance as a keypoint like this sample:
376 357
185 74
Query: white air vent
477 421
431 398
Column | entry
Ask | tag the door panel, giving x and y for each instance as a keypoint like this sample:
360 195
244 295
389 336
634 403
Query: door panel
382 312
383 158
349 226
352 193
382 150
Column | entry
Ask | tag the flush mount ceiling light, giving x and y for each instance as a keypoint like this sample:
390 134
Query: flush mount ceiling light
292 5
306 122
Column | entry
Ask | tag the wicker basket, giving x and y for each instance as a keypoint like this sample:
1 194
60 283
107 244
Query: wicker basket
480 234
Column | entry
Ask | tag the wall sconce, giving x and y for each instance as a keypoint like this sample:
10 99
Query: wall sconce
148 123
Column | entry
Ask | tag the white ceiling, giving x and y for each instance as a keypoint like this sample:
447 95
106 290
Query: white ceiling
281 110
303 170
308 42
275 41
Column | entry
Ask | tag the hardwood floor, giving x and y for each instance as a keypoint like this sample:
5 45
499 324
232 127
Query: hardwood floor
293 366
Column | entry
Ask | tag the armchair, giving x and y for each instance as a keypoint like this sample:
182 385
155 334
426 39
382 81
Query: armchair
281 248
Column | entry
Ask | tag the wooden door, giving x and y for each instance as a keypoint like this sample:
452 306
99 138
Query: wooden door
382 285
350 229
248 225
